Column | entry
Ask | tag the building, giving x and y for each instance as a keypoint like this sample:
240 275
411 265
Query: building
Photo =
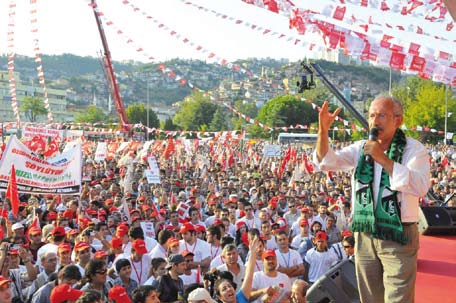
56 97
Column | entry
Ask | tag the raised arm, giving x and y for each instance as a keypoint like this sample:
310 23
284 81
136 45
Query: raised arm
325 119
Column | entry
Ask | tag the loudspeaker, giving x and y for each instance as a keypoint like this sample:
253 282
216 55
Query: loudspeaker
338 284
437 220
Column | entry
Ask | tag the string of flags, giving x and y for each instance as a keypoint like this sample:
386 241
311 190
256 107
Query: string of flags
369 42
11 55
210 54
39 64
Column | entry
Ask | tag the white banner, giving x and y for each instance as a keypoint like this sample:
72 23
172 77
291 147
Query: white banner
59 175
28 132
152 178
271 150
101 152
148 229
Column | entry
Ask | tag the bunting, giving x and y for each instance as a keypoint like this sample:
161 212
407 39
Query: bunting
11 55
39 64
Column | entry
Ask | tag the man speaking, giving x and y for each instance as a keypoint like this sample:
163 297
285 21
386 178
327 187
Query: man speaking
391 172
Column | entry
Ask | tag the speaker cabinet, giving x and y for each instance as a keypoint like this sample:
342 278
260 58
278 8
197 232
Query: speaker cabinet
437 220
337 285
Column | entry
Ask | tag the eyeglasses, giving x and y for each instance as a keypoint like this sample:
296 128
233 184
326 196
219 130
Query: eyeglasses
101 272
347 246
291 205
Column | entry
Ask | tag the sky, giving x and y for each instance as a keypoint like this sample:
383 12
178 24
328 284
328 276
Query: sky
69 26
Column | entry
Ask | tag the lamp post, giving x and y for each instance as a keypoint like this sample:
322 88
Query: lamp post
147 108
446 115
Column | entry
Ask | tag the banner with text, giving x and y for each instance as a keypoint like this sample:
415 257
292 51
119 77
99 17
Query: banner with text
59 175
28 132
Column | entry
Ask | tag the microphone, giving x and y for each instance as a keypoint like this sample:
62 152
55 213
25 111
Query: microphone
373 135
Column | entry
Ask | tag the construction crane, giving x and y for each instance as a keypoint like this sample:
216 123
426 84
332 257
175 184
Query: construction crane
114 87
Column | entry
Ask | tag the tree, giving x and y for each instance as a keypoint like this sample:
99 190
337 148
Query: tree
137 113
33 107
219 121
168 124
92 115
287 111
195 113
424 105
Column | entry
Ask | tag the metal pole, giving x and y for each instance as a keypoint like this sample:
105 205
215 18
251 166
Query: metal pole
389 87
147 109
316 69
446 115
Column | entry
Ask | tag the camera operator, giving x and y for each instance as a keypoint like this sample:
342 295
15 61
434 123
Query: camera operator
18 280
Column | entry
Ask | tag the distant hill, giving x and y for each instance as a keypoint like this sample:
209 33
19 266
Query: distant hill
84 76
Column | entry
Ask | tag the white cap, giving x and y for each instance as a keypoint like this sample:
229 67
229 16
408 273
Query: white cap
17 226
200 294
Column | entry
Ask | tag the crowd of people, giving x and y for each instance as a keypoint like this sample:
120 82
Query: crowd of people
209 231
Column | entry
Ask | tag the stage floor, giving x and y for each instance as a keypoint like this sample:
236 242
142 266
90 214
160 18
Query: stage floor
436 277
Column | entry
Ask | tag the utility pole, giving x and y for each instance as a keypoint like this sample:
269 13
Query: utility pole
446 115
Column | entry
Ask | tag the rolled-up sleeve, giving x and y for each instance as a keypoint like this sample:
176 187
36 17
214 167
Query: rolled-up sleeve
412 175
344 159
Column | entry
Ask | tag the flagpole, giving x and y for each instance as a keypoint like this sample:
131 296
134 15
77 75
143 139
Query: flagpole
446 115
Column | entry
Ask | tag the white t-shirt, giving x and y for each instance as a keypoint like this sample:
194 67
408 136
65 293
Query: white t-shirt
192 278
158 252
260 280
319 262
289 259
200 249
140 270
239 278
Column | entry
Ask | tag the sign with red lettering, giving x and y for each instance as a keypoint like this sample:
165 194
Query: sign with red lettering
58 175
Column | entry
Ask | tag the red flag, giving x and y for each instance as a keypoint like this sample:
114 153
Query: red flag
11 191
170 148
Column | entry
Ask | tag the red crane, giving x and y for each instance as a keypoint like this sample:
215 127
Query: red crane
115 93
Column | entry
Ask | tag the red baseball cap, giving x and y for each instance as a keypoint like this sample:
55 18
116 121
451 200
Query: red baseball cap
239 224
186 227
116 242
139 246
321 235
99 254
58 231
34 230
81 246
346 233
52 215
172 241
200 228
119 294
268 253
64 247
64 292
187 253
4 281
121 230
303 222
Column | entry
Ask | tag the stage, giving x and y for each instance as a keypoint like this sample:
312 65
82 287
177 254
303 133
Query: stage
436 277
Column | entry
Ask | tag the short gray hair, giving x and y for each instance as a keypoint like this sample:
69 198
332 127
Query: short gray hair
398 109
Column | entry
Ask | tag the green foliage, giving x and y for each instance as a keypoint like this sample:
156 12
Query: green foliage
168 125
92 115
285 111
219 120
137 113
33 107
196 112
424 105
247 108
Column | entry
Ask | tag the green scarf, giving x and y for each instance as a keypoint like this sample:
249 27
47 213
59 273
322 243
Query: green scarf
385 221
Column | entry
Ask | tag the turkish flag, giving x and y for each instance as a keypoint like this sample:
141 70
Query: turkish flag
11 191
170 148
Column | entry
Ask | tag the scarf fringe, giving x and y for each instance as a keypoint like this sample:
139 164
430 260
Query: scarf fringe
363 226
